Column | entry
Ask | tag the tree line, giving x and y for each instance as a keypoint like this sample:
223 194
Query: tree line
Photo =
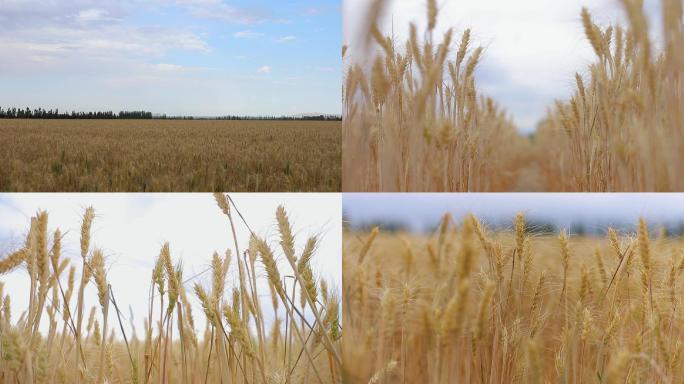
41 113
535 227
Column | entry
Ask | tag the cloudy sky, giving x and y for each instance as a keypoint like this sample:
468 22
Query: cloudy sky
131 228
532 47
594 212
192 57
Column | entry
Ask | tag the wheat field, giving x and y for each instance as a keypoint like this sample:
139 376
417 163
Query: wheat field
58 340
467 304
414 119
622 128
169 155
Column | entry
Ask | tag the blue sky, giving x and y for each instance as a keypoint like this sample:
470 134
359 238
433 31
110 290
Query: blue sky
593 211
194 57
532 47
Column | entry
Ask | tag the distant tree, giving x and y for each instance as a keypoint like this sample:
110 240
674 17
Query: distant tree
42 113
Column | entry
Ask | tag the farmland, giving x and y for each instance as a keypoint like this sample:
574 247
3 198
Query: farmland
169 155
469 304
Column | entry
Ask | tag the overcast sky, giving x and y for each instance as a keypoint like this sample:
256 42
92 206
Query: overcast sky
131 228
532 47
192 57
422 212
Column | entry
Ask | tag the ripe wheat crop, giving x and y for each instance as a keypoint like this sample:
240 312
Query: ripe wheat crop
470 305
622 130
236 346
414 120
175 156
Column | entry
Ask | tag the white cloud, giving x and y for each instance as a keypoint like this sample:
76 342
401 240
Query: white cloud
79 50
248 34
264 69
19 12
220 11
169 67
286 39
90 15
175 68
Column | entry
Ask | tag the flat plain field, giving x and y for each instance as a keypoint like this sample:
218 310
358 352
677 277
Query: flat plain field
169 155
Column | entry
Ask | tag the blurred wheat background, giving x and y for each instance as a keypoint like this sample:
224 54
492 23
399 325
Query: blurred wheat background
415 120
